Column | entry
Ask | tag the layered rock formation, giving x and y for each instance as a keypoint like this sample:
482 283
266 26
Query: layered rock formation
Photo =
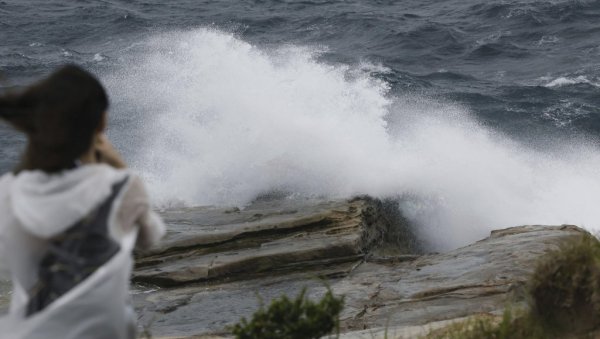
217 265
206 244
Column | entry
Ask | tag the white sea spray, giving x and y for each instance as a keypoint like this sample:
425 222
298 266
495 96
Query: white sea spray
226 121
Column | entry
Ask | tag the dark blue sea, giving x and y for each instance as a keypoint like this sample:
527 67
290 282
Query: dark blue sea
473 114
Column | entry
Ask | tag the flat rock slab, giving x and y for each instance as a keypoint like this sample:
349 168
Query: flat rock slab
209 244
480 278
218 265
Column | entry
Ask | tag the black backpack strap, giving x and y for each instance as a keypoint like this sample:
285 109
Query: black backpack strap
75 254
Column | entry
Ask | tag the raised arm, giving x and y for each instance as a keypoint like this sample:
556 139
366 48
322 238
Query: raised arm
137 211
106 153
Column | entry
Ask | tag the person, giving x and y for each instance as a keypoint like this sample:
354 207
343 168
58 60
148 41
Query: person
70 215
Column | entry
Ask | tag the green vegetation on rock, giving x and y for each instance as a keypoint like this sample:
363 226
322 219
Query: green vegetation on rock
564 295
565 287
511 326
300 318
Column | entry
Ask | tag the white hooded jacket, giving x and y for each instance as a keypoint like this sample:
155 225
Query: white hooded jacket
35 207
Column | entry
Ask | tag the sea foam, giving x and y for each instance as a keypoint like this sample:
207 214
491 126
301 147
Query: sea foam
226 121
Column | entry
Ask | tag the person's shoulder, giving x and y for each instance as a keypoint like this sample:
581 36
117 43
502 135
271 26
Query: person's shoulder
5 181
6 176
112 171
135 184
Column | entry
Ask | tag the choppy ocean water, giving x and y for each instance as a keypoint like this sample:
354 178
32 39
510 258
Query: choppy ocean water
475 114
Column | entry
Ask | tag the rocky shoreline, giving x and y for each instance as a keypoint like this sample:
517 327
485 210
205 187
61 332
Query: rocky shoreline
216 266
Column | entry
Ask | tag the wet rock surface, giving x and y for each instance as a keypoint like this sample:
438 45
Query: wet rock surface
208 244
217 265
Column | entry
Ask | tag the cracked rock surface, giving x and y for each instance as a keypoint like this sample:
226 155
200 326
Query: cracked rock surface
216 266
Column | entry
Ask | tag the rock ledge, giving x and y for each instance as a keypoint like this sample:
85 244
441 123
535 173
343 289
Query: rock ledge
216 262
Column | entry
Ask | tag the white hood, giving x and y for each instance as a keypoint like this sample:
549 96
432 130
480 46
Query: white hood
48 204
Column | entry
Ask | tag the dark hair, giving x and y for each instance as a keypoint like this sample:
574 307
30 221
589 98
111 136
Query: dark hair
60 115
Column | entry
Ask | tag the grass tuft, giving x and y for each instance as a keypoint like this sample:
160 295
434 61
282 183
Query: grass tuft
565 287
300 318
565 300
490 327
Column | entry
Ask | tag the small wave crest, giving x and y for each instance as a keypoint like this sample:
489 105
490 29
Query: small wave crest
225 122
566 81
